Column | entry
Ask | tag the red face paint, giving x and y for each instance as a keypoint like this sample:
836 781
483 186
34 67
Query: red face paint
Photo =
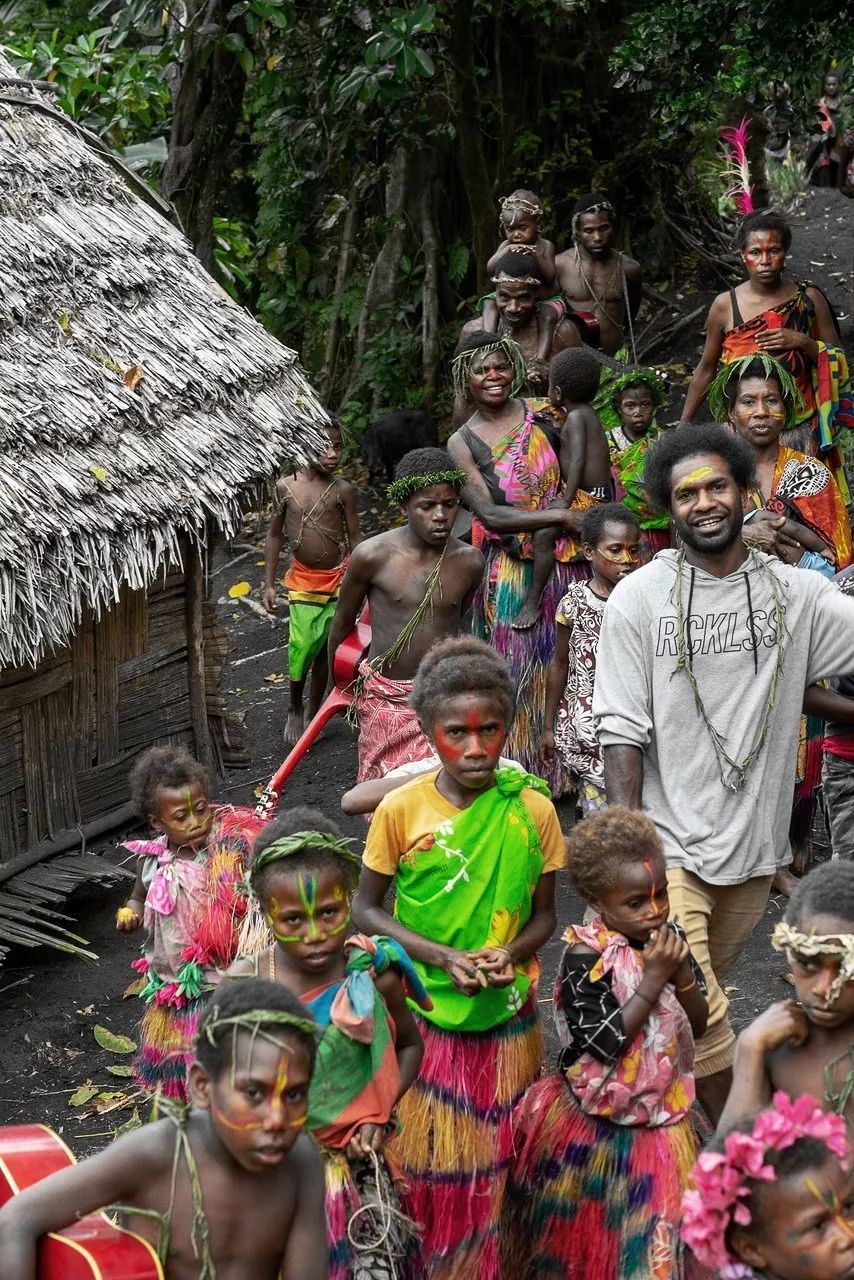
655 906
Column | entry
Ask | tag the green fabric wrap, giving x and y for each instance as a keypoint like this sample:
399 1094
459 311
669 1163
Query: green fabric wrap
473 888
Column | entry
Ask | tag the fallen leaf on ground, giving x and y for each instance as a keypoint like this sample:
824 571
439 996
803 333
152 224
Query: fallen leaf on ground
85 1093
239 589
134 988
111 1042
119 1069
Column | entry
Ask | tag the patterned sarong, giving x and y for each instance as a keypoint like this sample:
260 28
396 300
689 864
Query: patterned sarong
312 598
389 732
628 463
522 470
805 489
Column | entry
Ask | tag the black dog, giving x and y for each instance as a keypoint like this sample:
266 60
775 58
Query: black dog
385 442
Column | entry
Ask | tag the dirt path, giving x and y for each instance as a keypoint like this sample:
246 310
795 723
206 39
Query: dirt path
49 1004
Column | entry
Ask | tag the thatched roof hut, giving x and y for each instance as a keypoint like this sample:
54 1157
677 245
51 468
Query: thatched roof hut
139 408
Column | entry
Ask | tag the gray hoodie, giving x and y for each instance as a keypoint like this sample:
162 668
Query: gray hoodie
640 698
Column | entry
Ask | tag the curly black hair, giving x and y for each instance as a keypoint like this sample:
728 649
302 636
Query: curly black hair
599 848
310 858
769 221
160 768
826 890
577 372
593 521
690 441
421 462
518 265
461 664
243 996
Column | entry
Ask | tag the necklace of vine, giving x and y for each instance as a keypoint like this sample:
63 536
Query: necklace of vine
739 769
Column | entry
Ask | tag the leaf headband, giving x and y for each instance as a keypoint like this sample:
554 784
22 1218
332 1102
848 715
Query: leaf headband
721 1180
504 278
255 1020
289 845
399 490
841 945
518 204
771 368
608 414
604 206
461 365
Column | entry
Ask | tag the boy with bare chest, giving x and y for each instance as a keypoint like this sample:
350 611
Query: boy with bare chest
805 1045
601 286
418 581
318 513
231 1191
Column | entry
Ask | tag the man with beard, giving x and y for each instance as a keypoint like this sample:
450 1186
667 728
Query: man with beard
704 658
521 315
601 286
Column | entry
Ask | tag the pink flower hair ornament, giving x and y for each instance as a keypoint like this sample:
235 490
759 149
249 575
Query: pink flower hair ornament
721 1180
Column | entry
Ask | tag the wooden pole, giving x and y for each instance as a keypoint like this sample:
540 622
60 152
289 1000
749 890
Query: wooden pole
195 580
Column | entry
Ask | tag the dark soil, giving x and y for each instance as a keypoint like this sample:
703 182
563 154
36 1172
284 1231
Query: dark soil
51 1003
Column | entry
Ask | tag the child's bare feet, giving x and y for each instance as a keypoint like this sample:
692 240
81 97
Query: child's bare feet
527 617
294 727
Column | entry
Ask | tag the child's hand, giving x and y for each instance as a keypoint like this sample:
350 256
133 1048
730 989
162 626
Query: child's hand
523 248
497 965
663 954
370 1137
464 974
546 747
269 599
128 917
783 1021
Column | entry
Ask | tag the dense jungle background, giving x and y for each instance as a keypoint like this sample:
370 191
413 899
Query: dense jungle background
338 165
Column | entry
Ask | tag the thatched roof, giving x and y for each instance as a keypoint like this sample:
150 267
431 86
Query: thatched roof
137 400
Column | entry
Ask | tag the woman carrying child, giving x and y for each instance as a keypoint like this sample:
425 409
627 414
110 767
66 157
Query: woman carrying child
773 1197
303 874
471 850
187 893
603 1148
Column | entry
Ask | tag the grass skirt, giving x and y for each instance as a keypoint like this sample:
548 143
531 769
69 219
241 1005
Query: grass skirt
590 1200
369 1237
166 1039
455 1146
499 598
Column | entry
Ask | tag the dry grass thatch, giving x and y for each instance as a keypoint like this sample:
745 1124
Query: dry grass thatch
137 400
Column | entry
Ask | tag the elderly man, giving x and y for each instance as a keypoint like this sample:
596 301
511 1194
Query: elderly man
704 658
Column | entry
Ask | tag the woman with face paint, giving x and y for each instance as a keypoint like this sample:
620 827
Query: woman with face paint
603 1147
187 893
302 876
471 850
769 314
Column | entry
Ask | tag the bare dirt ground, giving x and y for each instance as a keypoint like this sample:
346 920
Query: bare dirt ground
51 1068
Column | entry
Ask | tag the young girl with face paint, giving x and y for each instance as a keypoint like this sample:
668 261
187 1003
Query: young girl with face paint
610 538
603 1148
773 1197
303 874
187 893
472 850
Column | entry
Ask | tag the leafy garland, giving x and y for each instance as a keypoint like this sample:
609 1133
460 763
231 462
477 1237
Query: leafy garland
461 365
399 490
608 413
683 663
299 840
716 394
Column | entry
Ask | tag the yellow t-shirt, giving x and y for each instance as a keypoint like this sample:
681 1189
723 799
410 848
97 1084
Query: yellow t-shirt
412 813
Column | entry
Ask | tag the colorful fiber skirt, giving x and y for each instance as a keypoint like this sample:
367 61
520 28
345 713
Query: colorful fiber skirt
167 1037
590 1200
455 1144
370 1238
499 598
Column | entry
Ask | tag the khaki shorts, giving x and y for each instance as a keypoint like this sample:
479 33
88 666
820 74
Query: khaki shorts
717 919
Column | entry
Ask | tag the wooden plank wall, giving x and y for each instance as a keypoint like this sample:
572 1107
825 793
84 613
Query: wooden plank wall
71 728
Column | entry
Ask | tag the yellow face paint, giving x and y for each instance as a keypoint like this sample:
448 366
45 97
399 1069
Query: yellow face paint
692 478
275 1100
628 556
834 1204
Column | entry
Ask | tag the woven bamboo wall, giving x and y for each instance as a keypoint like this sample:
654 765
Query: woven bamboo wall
71 728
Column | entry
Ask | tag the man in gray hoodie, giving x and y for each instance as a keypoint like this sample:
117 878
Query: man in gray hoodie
703 661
